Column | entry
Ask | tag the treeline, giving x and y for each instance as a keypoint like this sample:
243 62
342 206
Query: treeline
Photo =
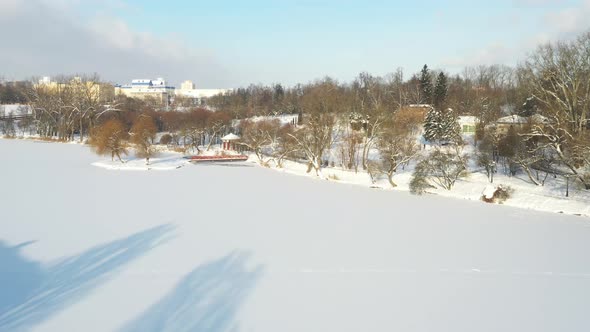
547 97
550 90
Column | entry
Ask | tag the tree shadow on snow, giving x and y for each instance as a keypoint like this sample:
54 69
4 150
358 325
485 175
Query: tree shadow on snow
31 293
207 299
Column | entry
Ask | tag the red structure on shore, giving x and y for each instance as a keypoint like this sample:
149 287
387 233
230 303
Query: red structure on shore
229 142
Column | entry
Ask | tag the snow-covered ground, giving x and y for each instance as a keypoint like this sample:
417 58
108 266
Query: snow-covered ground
164 161
236 247
549 198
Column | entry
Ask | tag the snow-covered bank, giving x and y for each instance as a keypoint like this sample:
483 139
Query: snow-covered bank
548 198
164 162
216 247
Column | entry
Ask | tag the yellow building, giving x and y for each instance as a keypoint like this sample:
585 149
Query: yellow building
104 92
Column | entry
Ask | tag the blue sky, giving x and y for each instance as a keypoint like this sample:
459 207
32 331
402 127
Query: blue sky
234 43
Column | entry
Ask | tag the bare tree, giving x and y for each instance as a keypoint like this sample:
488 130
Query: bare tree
349 148
316 135
559 139
285 145
314 139
8 128
370 97
143 134
559 77
441 167
216 123
258 135
397 142
109 138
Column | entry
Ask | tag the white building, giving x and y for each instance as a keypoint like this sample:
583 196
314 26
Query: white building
283 119
144 88
468 124
187 89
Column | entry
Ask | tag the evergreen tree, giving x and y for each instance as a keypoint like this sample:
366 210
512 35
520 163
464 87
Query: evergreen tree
426 85
440 90
432 125
441 126
449 130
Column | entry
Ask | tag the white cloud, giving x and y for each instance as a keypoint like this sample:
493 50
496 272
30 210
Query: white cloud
496 53
555 25
572 20
44 35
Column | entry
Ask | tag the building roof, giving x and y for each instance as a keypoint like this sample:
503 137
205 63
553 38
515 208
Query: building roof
230 137
467 119
513 119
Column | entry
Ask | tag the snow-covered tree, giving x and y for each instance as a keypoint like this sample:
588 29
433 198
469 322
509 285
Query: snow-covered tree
285 145
258 135
314 138
449 129
432 125
217 122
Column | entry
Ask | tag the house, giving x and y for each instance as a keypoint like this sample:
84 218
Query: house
468 124
518 122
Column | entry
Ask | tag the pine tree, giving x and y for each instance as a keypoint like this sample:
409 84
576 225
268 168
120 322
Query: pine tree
440 91
432 125
426 85
450 130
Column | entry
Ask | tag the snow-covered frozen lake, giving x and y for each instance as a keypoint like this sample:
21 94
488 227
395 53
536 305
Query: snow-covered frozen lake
237 247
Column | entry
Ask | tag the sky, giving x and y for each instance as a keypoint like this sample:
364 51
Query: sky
228 44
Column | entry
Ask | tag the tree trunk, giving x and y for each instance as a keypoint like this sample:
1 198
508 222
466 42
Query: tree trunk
530 175
390 179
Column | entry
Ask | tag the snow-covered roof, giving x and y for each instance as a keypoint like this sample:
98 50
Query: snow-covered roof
283 119
512 119
467 119
537 118
230 137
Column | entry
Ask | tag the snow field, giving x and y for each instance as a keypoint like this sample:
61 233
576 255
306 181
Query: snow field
218 247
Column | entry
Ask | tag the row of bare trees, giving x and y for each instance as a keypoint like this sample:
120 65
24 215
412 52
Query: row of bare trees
69 107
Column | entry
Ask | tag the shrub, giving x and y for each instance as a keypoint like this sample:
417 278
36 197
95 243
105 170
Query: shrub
442 168
109 138
166 139
500 194
419 184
